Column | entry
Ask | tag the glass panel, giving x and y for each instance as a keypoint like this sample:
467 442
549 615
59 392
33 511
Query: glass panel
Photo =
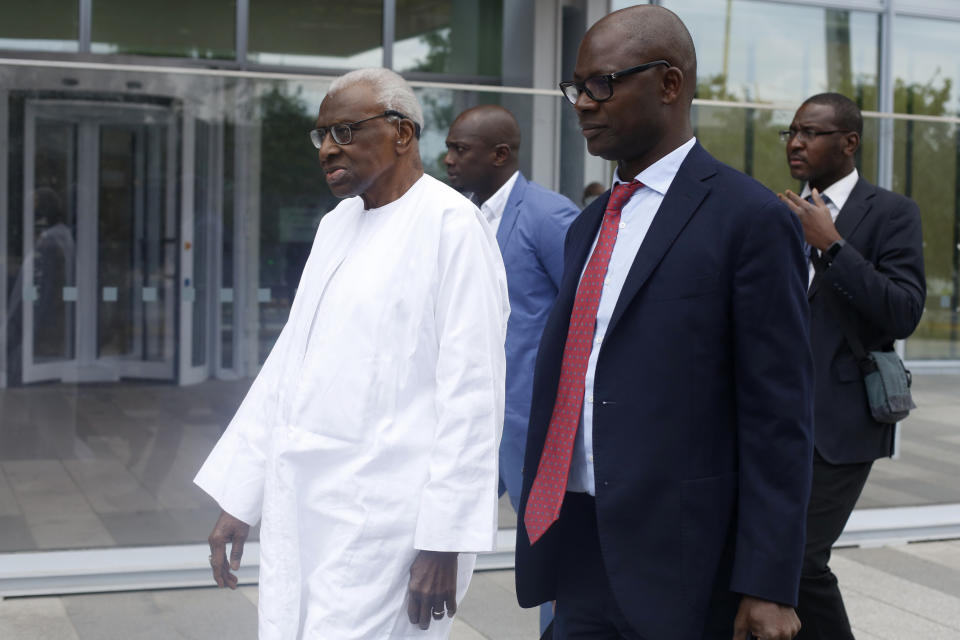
54 255
748 139
41 25
750 59
181 28
133 297
119 210
336 35
228 293
461 37
293 198
927 168
202 216
934 7
111 464
153 253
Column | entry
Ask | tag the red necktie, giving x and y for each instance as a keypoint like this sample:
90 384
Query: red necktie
550 484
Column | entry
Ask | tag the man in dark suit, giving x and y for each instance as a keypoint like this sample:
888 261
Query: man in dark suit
531 221
866 272
667 462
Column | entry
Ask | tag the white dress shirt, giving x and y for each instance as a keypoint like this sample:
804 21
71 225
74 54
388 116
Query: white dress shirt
837 195
493 208
635 219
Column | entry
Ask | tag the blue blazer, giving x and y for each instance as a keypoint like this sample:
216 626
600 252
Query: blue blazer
702 412
530 236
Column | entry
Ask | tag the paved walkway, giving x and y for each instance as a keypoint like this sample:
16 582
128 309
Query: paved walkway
904 592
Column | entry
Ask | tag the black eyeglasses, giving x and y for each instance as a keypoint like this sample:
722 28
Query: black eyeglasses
806 134
600 88
343 133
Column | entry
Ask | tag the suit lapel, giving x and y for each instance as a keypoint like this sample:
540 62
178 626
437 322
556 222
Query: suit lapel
511 212
583 232
854 210
681 201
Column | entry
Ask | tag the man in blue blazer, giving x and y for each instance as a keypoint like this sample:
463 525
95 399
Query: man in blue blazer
667 461
531 222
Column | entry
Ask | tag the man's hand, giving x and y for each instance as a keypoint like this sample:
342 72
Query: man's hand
818 227
433 587
764 620
227 529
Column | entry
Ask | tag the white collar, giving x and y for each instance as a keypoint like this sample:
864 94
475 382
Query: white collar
495 204
839 191
661 173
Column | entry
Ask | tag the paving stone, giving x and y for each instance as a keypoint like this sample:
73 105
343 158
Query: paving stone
895 561
491 609
35 619
190 614
15 535
460 630
890 598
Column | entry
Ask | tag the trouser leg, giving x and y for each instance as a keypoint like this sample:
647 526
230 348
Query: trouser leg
834 494
586 607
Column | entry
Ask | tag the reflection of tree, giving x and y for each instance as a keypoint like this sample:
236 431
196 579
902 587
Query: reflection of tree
290 180
928 170
439 49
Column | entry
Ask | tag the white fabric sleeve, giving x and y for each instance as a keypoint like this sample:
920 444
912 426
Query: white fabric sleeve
458 505
234 472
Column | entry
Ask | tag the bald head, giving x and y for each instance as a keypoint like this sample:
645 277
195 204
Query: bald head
650 32
644 113
482 150
492 125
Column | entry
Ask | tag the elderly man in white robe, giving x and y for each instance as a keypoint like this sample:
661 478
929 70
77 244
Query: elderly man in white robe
368 442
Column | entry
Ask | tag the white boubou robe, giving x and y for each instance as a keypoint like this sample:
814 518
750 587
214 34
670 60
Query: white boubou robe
372 429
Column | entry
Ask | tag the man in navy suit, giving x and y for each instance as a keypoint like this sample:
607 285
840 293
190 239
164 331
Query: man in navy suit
531 221
668 457
866 272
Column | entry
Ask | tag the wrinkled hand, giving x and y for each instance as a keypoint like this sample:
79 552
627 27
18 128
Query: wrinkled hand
227 529
433 587
818 227
764 620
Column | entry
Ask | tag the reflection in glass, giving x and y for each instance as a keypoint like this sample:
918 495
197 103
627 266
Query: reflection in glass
927 169
110 464
748 57
336 35
180 28
54 254
293 198
41 25
462 37
132 305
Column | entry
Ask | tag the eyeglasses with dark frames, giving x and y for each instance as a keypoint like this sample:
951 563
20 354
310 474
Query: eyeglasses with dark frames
600 88
343 132
806 134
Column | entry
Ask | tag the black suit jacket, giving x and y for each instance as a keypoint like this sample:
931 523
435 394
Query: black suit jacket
877 281
702 408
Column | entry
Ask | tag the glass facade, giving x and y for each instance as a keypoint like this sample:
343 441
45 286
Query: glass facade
49 25
175 28
462 37
337 35
927 168
154 220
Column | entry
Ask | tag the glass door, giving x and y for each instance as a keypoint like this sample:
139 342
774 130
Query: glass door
99 242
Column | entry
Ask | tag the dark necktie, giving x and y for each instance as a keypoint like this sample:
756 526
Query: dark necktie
550 483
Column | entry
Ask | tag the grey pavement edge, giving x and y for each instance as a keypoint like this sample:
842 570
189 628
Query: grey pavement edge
900 592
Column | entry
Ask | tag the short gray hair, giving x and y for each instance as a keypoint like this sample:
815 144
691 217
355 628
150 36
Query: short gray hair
391 90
